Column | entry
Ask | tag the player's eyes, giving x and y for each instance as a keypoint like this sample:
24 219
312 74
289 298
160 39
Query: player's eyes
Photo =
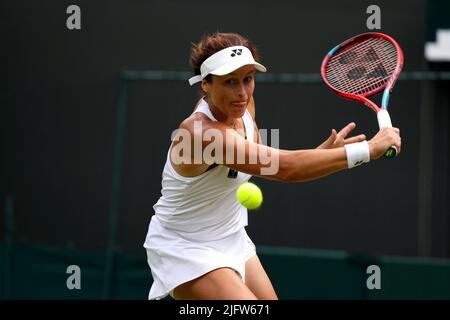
230 81
234 81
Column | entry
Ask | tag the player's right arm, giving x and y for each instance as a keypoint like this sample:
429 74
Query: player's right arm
209 142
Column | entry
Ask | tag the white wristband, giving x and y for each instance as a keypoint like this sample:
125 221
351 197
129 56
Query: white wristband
357 153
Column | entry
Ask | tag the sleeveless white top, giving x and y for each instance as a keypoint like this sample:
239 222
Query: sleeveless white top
203 207
198 225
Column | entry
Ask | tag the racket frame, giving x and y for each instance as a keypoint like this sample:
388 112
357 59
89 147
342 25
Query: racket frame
383 117
388 86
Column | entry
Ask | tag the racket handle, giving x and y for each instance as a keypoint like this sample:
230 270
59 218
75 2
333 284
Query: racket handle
384 121
391 152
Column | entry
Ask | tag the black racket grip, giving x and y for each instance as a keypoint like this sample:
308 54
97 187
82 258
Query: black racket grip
391 152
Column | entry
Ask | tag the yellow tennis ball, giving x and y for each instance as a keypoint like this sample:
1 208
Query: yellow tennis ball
249 195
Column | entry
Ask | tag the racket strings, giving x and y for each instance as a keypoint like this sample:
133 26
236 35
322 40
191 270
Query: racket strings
362 57
354 65
362 67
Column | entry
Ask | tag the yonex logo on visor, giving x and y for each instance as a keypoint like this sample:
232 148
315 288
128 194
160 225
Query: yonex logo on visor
225 61
236 51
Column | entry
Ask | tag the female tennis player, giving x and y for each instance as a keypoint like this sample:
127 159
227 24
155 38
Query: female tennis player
197 246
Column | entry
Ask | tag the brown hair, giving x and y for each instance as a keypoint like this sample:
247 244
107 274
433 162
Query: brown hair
215 42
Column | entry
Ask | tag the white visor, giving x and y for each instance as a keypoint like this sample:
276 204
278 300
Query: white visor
225 61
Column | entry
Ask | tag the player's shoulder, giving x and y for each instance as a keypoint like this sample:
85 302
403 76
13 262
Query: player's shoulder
198 119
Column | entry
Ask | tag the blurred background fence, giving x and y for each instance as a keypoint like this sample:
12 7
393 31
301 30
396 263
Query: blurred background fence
39 272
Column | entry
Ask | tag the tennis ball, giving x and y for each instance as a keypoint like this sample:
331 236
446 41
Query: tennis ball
249 195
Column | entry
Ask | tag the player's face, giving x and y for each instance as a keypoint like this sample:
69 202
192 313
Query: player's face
231 93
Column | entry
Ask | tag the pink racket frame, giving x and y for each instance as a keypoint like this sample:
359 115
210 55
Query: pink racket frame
388 86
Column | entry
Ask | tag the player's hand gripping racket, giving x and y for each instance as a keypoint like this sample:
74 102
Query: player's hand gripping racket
363 66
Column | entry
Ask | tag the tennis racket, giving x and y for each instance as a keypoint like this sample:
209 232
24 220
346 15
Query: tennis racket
361 67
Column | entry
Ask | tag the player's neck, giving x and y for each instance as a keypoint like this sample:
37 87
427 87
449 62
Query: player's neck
221 117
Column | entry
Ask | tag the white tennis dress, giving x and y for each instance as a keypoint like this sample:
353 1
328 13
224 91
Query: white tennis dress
198 225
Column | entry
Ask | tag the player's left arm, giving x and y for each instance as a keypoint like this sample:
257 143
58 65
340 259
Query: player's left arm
339 139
